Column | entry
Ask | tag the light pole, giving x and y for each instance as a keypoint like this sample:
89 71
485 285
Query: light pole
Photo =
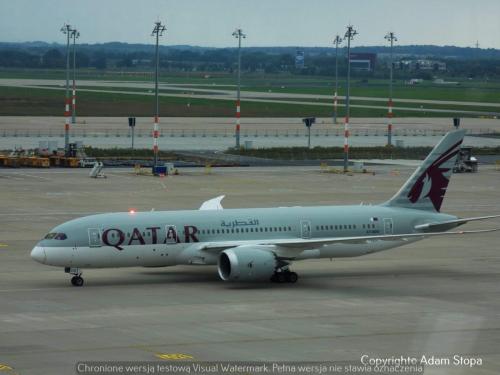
75 34
157 32
66 29
308 122
391 37
349 35
336 41
238 34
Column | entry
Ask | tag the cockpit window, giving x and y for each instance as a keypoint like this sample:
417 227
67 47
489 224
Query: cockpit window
56 236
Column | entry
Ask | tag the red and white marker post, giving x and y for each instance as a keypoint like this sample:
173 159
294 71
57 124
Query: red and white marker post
346 142
155 139
389 123
238 117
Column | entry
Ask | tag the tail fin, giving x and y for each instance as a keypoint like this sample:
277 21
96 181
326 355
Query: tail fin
426 187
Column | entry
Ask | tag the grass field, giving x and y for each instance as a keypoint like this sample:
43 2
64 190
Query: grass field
319 153
40 102
24 101
16 101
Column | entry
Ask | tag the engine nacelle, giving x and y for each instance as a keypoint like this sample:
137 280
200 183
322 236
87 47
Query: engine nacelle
246 263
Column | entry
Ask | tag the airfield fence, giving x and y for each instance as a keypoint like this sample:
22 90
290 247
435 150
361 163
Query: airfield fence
216 133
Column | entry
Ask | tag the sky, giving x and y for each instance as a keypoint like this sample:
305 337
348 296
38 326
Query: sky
210 23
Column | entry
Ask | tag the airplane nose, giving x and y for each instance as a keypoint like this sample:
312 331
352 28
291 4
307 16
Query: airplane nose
38 254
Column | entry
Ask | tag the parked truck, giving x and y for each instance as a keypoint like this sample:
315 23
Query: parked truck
465 161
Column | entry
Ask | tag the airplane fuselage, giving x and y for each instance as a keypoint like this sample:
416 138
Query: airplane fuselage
166 238
260 243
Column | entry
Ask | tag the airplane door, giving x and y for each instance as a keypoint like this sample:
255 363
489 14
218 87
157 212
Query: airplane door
171 235
94 237
388 226
305 229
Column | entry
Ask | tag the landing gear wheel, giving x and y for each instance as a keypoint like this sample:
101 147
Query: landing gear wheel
280 277
284 277
292 277
77 281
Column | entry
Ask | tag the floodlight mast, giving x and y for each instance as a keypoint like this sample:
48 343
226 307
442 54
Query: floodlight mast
238 34
158 31
391 37
67 30
75 34
336 41
349 35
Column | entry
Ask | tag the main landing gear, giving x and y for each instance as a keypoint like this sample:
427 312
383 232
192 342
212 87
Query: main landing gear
284 276
77 279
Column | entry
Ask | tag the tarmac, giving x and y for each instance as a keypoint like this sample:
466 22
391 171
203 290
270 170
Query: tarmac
438 297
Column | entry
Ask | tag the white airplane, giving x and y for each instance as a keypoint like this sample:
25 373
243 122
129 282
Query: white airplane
260 243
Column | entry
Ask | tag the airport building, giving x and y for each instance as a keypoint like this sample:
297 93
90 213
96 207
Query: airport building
363 61
299 60
421 65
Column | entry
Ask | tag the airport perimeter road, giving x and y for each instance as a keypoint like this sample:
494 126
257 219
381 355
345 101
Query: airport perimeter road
370 125
436 297
221 143
216 133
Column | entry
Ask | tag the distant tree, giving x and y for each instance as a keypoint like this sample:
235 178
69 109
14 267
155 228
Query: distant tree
53 58
82 60
126 62
18 59
100 63
286 62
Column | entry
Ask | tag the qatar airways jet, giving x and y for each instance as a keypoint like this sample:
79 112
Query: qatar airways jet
259 243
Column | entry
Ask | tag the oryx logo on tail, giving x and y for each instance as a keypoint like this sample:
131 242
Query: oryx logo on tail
426 187
433 182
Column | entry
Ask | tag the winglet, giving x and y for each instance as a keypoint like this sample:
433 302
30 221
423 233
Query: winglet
213 204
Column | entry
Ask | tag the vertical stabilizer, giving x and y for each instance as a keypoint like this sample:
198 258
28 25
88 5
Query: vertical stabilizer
426 187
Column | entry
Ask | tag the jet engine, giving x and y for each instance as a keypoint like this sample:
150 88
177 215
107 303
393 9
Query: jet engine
246 264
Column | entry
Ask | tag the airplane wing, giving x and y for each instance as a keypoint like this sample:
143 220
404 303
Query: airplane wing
445 225
291 247
213 204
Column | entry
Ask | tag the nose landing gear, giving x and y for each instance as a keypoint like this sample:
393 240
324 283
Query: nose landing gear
77 279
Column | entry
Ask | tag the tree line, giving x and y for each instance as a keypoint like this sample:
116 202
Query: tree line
266 60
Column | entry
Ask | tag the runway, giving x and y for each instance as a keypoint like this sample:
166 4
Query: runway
435 297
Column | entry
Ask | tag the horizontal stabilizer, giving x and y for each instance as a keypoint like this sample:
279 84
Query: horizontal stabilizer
445 225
